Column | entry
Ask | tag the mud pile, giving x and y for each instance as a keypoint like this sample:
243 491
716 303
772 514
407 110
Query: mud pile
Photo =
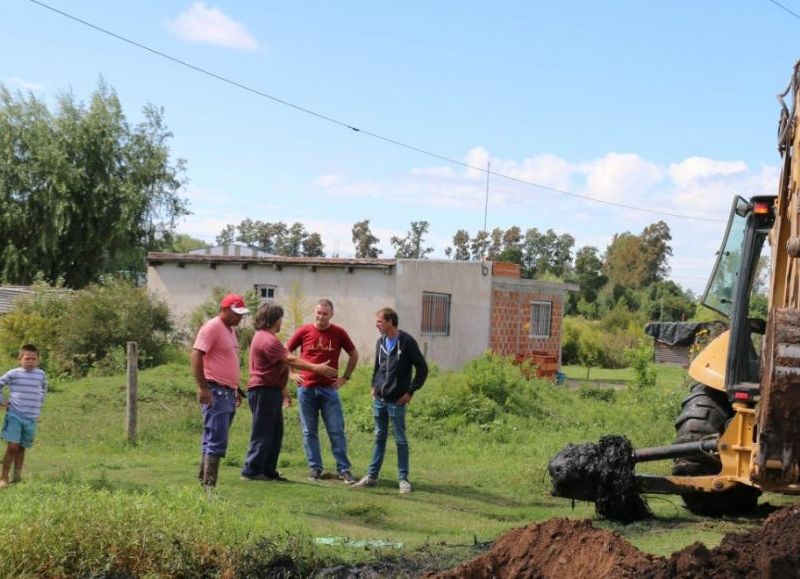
601 472
556 548
562 548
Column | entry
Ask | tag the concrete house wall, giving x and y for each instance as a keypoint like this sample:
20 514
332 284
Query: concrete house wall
469 286
486 310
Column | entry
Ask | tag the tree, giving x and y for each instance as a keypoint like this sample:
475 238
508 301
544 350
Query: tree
411 246
636 261
461 245
364 240
655 238
82 192
312 246
227 236
275 238
477 246
182 243
495 244
588 270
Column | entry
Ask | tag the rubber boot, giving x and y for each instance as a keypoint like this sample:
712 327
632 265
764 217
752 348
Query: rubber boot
211 471
201 475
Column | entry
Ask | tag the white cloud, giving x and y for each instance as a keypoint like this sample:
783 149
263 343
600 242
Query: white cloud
621 177
328 181
23 84
694 169
209 25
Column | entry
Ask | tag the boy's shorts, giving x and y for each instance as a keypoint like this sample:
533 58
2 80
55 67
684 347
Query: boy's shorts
19 429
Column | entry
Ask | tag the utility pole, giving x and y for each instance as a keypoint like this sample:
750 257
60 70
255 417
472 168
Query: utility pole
486 208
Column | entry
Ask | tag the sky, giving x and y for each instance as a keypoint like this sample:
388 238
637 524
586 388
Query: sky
597 117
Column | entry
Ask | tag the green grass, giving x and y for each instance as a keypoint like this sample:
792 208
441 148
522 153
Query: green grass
480 442
666 374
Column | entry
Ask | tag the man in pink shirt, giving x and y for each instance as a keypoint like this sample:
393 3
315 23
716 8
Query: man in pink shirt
215 367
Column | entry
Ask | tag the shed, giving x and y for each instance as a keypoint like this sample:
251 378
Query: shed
673 340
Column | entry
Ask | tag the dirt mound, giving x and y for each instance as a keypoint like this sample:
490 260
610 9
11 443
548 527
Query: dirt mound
556 548
563 548
770 551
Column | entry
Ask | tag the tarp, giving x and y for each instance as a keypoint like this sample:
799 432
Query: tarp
679 333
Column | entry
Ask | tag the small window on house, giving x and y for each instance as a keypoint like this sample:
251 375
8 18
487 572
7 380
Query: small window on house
540 319
266 292
435 314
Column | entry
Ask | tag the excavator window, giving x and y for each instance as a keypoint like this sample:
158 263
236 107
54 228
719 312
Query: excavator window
719 291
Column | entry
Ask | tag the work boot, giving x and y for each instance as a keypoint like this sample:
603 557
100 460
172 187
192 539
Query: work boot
211 471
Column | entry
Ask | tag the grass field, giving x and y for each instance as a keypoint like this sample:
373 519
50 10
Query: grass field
480 443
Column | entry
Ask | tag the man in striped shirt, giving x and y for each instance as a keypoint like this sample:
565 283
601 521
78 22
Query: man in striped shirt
27 386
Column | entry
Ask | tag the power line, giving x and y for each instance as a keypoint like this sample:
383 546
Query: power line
374 135
779 5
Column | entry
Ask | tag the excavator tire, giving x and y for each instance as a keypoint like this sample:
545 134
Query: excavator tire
704 413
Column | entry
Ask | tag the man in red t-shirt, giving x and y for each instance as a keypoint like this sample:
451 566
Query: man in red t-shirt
320 343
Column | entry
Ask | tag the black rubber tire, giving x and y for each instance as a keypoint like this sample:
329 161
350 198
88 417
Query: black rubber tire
705 412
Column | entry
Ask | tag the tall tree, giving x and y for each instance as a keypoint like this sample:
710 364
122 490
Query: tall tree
82 192
227 236
312 246
365 242
589 273
495 244
655 241
411 246
636 261
478 245
461 245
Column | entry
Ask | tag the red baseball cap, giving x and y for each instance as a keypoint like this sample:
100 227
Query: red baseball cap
236 303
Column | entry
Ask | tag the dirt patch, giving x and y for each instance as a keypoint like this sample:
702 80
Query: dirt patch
563 548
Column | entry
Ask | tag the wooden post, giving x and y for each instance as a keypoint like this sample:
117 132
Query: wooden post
133 387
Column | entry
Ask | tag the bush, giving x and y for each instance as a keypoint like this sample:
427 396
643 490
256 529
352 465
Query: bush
88 329
640 358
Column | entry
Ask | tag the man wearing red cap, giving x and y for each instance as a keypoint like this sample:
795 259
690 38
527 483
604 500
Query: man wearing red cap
215 366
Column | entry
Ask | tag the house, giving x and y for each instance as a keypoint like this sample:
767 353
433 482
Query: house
455 309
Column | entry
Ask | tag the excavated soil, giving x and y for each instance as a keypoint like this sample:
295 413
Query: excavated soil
563 548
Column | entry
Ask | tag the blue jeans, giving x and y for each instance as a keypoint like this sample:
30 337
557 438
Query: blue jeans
217 420
382 412
266 434
322 400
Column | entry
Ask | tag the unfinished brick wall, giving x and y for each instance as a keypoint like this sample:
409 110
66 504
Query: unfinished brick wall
511 323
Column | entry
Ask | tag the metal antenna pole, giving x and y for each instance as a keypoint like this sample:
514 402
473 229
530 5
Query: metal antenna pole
486 209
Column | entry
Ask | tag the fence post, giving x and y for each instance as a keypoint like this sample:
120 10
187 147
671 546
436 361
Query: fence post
133 387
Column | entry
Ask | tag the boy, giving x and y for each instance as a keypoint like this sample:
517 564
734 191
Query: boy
27 386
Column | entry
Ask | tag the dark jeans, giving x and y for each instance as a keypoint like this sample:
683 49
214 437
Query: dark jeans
266 435
217 420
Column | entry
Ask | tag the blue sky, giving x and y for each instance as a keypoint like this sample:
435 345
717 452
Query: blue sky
665 105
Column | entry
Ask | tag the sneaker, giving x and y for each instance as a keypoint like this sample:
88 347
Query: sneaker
347 477
405 487
315 474
254 477
366 481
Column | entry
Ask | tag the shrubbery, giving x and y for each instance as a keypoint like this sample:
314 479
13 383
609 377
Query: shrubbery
602 342
87 330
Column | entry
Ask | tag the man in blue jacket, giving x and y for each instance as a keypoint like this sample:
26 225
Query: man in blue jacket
396 356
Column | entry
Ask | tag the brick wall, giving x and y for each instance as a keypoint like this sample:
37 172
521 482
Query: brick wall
511 322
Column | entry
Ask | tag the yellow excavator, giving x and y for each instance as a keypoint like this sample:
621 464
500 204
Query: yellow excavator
738 432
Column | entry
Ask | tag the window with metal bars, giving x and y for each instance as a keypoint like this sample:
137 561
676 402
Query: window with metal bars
540 319
435 314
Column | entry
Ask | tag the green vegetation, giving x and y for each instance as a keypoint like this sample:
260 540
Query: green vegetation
86 331
92 504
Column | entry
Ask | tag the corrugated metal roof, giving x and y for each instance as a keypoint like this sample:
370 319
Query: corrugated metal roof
8 294
153 258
